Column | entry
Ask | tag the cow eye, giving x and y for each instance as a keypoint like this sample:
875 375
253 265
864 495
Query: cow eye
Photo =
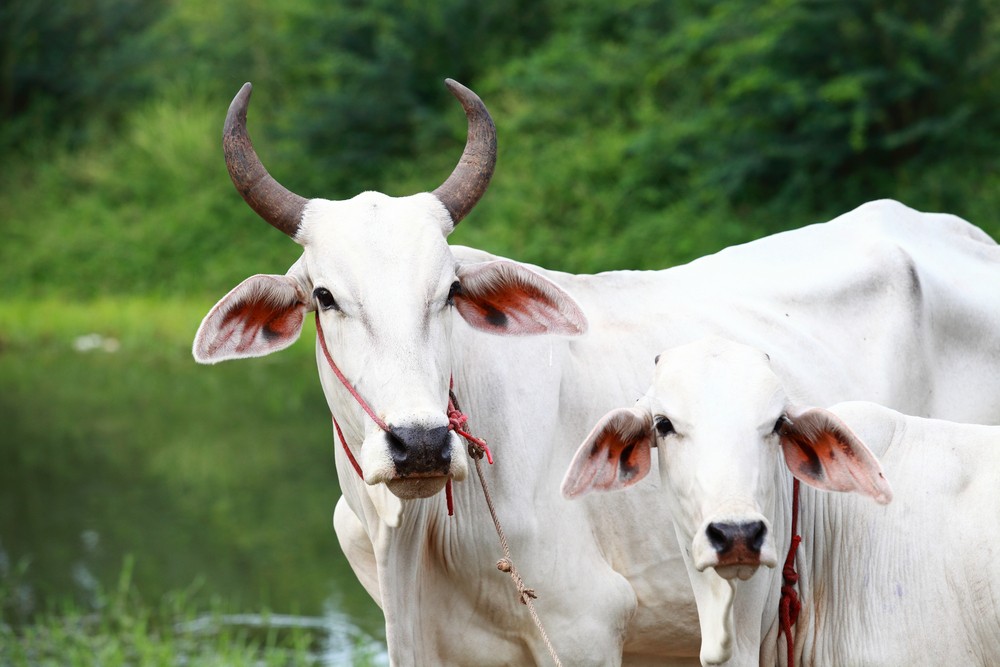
663 426
779 426
325 299
456 287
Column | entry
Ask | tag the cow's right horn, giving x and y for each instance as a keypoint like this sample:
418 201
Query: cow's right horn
279 206
474 170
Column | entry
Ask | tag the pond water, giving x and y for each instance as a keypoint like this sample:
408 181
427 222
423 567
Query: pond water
217 481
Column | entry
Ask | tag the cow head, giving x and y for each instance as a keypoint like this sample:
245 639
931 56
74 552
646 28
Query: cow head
725 433
383 282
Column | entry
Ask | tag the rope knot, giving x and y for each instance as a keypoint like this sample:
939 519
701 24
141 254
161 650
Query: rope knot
457 421
788 573
456 418
790 605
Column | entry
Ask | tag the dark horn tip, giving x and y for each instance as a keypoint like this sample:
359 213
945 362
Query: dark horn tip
467 183
273 202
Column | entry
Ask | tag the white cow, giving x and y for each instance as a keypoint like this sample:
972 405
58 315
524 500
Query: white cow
913 583
884 303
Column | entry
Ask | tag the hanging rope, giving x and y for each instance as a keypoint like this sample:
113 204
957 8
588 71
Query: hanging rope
790 605
505 564
457 422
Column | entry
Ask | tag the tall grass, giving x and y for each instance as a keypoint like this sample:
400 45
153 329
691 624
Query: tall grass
121 627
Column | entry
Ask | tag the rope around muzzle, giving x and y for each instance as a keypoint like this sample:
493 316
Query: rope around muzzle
457 422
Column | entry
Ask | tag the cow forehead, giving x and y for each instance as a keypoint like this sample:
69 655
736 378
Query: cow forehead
376 239
715 381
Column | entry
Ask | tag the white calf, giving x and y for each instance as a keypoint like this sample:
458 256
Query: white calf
911 582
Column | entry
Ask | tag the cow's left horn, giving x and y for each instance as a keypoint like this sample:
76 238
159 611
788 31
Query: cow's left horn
468 181
279 206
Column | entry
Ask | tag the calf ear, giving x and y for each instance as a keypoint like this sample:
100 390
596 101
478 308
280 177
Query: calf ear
263 314
506 298
615 455
822 451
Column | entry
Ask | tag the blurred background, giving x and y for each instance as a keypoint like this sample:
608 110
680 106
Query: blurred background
153 511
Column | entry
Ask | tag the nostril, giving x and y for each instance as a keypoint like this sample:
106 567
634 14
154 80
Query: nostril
756 531
720 536
442 437
397 448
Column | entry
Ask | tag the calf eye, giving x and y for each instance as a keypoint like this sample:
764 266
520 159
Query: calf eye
325 299
779 426
663 426
456 287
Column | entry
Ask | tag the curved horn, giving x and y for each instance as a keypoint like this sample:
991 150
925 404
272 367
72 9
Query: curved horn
280 207
472 174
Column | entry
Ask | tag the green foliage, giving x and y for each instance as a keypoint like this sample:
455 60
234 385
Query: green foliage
637 134
368 79
822 104
67 67
141 216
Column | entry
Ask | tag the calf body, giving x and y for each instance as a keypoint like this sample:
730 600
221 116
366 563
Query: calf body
903 583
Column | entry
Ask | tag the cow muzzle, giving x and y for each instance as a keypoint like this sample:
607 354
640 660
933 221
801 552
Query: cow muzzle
413 461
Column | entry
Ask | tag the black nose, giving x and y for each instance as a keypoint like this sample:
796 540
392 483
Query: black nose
726 538
420 451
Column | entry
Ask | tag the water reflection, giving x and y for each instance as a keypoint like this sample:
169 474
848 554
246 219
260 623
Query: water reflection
341 641
218 481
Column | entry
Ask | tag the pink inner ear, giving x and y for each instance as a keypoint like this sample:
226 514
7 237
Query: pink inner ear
261 315
615 455
254 323
823 452
505 298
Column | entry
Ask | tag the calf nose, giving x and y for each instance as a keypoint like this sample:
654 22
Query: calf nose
737 539
420 451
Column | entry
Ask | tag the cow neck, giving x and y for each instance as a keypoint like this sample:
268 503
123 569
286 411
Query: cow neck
457 420
790 605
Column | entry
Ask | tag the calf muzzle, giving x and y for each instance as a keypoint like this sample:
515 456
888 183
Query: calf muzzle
737 543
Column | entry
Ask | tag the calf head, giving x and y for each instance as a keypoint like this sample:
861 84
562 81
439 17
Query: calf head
378 273
725 433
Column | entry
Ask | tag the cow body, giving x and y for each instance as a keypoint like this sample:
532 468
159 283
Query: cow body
905 583
884 303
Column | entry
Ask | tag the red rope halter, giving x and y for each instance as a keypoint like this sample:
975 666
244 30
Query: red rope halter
456 419
790 605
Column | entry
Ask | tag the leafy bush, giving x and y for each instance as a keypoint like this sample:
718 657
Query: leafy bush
637 134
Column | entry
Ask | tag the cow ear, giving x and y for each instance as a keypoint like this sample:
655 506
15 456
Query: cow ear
506 298
614 456
823 452
263 314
